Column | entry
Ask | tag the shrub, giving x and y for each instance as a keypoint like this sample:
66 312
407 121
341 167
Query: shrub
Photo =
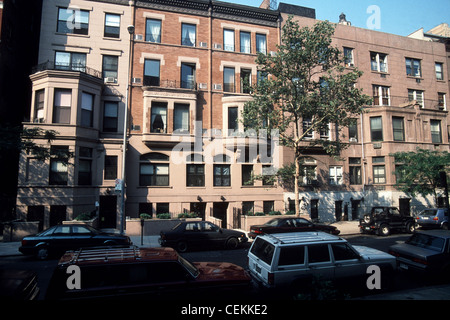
274 213
85 216
163 216
187 215
145 216
260 214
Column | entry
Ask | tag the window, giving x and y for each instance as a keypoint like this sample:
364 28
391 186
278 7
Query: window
70 61
181 118
151 72
268 206
379 171
233 124
155 173
261 43
247 172
39 106
416 95
413 67
73 21
228 40
248 207
348 54
164 208
342 251
355 171
436 136
195 175
292 255
85 167
62 106
381 96
112 25
439 67
398 127
353 131
111 168
378 62
245 42
442 104
335 176
110 115
318 253
246 76
159 117
222 175
188 75
110 68
376 129
153 30
307 122
58 167
188 34
268 175
87 107
228 80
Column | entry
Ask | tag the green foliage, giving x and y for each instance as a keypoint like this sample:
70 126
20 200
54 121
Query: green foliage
85 216
187 215
163 216
145 216
419 172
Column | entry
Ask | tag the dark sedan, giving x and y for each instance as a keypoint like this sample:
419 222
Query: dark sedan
198 234
426 252
59 239
283 225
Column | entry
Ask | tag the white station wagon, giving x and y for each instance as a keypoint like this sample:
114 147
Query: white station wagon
292 259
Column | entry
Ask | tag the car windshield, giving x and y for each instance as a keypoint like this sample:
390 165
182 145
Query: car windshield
272 223
428 213
426 241
46 232
189 266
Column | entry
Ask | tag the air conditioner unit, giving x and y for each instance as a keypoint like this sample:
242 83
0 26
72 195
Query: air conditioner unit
217 46
353 140
138 37
204 44
217 87
203 86
110 80
418 80
377 145
137 80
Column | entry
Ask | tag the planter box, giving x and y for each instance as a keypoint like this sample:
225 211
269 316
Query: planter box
93 222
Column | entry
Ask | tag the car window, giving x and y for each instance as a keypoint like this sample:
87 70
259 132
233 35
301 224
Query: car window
292 255
263 250
209 226
342 251
272 223
47 232
428 213
62 230
394 211
193 226
426 241
318 253
300 222
80 230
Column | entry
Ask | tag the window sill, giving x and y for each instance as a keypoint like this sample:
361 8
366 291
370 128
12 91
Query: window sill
72 35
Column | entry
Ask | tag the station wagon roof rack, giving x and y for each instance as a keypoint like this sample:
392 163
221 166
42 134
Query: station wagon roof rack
295 237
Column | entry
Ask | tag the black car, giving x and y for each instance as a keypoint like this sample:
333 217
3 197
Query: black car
18 285
200 234
283 225
384 220
59 239
426 252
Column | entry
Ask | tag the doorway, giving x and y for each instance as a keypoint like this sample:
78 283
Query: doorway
199 209
315 210
338 210
405 206
220 210
108 212
57 215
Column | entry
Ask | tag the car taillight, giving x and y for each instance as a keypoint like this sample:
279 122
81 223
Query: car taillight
418 218
435 218
421 261
24 242
271 278
393 253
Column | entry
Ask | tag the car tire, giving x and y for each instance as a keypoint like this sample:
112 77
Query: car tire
410 227
384 230
182 246
445 226
42 253
232 243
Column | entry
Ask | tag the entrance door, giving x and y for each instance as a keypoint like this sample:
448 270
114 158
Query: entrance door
338 210
220 210
108 211
57 215
405 208
314 210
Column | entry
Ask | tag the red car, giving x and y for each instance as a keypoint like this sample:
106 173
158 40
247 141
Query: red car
282 225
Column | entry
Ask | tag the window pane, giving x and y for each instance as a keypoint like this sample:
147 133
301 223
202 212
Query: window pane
228 80
152 73
188 35
228 40
398 128
181 120
159 118
153 31
376 129
245 42
261 45
112 25
187 76
318 253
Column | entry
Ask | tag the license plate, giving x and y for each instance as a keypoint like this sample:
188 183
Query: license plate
403 266
258 268
367 228
425 218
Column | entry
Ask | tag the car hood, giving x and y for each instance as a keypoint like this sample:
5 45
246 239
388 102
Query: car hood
217 271
414 251
372 254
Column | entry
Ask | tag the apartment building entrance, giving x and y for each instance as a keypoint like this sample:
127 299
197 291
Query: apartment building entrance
108 212
220 210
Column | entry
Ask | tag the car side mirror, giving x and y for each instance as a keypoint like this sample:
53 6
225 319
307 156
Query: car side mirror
220 230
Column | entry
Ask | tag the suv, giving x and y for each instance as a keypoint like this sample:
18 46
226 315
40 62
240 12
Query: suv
383 220
433 218
292 260
132 272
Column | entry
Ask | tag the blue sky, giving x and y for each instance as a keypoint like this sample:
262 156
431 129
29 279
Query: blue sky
400 17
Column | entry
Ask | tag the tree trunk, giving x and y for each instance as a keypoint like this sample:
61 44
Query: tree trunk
296 183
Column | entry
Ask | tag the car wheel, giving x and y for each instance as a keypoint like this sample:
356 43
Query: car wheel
384 230
232 243
182 246
445 226
42 253
410 227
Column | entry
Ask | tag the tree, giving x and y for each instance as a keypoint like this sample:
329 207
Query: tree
304 82
420 172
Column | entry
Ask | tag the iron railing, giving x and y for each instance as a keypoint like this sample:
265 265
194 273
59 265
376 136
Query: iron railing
51 65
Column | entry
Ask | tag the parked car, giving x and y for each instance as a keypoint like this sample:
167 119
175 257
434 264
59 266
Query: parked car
290 261
282 225
145 273
426 252
191 234
384 220
17 285
60 238
433 218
